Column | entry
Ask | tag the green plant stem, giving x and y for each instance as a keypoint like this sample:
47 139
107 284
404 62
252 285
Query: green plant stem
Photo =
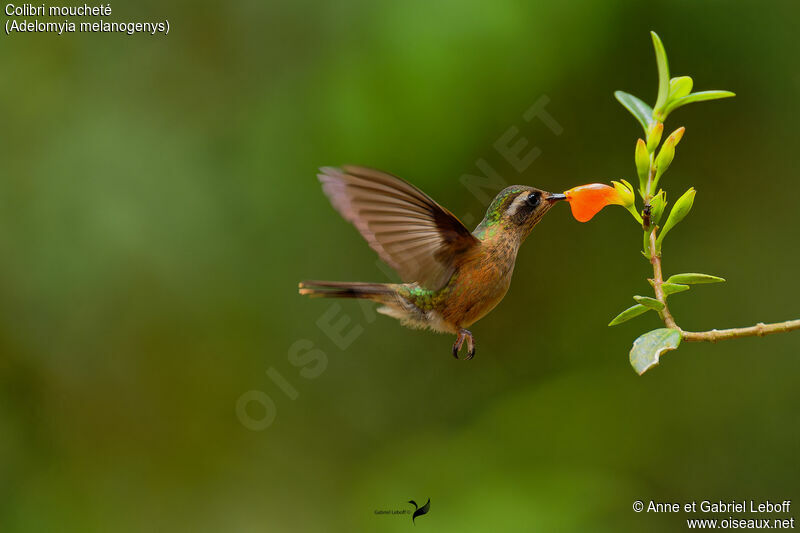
714 335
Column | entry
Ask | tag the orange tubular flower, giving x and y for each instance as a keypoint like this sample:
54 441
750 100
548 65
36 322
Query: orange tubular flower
587 200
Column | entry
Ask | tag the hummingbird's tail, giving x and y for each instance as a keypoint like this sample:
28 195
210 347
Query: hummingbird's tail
344 289
393 302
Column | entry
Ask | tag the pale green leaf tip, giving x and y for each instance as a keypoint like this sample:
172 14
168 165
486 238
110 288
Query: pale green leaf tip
617 321
717 94
628 314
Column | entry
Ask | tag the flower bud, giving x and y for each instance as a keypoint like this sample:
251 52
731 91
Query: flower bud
654 136
642 158
624 193
679 211
666 154
657 204
677 135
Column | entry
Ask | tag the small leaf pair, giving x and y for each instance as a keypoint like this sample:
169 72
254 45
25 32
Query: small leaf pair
672 93
674 284
644 305
671 287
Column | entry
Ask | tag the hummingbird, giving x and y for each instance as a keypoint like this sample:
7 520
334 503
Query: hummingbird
451 277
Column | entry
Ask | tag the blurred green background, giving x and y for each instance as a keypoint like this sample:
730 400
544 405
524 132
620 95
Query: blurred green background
158 204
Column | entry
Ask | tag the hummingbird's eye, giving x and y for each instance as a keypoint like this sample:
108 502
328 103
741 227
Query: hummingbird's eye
534 199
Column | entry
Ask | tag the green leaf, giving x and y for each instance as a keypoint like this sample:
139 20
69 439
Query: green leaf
694 278
695 97
679 87
663 71
641 111
631 312
679 211
652 303
648 348
672 288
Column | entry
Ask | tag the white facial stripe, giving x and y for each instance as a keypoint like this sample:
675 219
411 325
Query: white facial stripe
518 201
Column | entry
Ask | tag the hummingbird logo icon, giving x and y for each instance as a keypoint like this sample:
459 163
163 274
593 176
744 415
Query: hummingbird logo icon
419 511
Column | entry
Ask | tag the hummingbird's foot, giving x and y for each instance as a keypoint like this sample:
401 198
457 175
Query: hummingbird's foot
463 335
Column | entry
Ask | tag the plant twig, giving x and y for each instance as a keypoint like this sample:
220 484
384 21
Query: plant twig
658 281
759 330
714 335
651 164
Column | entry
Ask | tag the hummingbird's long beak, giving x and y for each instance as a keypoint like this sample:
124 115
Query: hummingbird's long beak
553 198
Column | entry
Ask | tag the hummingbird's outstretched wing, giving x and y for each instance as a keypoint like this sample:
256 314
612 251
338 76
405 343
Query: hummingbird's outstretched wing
413 234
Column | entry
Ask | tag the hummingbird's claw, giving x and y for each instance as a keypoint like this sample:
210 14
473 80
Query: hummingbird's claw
463 335
470 347
457 345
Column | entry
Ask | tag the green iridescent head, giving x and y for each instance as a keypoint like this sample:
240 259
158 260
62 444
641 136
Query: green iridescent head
517 208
